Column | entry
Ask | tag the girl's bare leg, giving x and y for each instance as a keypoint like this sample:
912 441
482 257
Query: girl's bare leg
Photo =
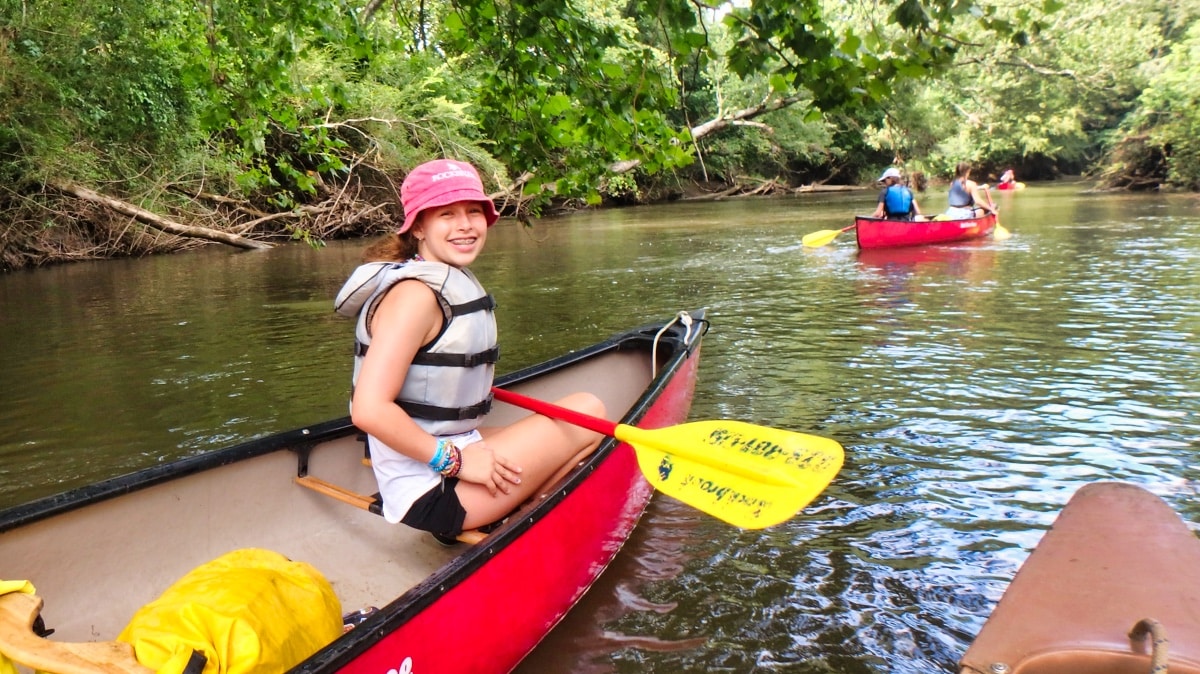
544 448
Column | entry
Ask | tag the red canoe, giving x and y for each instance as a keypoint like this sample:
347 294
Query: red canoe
1116 557
97 554
1010 186
884 233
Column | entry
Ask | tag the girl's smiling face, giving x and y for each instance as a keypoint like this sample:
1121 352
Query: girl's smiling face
453 234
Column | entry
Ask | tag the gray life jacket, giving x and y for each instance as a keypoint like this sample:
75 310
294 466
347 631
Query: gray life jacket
448 386
959 197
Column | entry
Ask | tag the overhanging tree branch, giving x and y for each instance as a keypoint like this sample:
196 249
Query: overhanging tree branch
738 117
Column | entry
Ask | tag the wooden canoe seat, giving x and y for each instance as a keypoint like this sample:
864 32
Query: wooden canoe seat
19 611
371 504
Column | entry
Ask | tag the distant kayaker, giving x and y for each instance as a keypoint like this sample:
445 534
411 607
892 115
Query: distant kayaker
425 355
962 198
1008 181
896 200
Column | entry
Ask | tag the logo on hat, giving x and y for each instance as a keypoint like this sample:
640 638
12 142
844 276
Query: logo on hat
453 170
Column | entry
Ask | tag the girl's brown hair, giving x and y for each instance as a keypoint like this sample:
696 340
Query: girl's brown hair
392 247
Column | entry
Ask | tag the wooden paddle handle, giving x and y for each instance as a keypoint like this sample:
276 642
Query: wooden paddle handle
18 612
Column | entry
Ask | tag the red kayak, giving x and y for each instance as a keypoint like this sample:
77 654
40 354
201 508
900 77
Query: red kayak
884 233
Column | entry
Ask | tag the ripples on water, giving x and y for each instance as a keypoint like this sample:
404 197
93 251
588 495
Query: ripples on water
974 387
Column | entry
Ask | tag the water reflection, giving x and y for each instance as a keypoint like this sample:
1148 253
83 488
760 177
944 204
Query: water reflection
975 388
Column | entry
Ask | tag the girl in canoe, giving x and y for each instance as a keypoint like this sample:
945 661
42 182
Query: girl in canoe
963 190
425 356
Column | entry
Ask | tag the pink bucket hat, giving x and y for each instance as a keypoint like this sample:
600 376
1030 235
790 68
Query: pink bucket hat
441 182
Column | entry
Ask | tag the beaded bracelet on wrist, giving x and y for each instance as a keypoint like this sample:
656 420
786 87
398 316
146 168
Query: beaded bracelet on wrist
455 463
441 456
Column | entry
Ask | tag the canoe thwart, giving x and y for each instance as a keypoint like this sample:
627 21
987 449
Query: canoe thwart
19 611
371 504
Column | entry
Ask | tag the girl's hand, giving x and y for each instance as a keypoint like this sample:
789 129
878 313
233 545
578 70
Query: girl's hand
481 465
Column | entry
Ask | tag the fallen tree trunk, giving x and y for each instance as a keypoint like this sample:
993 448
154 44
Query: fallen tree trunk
157 221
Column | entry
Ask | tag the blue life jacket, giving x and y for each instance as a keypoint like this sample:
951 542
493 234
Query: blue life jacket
898 200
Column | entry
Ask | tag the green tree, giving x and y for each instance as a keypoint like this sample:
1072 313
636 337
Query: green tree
1046 106
1160 141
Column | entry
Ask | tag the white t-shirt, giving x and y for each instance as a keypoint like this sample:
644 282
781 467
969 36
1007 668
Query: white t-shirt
402 479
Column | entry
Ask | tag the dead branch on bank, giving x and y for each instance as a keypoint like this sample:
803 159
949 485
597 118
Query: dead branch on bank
158 222
237 204
716 196
818 187
740 190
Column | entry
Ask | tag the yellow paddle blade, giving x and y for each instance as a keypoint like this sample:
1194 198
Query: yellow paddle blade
749 476
1000 233
821 238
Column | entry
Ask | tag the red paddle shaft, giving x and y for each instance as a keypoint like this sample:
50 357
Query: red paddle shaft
602 426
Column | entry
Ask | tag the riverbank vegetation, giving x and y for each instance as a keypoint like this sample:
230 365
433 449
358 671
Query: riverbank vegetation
128 128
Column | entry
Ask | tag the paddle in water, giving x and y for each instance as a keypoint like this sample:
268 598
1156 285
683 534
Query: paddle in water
1000 233
823 237
747 475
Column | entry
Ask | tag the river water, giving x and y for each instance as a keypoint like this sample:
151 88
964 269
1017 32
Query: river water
975 388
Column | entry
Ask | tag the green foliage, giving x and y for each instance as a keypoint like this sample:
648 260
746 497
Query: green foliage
1169 112
563 93
280 101
1049 98
415 106
76 79
847 59
621 187
247 72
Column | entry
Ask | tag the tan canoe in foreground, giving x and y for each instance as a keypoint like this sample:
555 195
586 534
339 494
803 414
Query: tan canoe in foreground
1111 584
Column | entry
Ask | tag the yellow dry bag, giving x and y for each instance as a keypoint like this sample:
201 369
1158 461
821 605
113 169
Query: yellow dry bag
247 611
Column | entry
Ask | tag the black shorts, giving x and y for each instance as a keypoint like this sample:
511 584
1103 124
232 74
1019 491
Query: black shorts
438 510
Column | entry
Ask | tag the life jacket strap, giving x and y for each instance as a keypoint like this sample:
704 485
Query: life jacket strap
435 413
489 357
458 359
485 303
